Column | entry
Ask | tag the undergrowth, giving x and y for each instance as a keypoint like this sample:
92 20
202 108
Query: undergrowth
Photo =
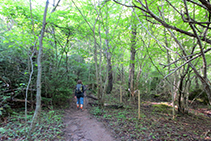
156 123
50 127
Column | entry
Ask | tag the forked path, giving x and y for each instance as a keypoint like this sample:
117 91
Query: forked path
80 126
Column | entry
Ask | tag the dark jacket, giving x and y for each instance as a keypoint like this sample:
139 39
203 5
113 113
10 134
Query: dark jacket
79 94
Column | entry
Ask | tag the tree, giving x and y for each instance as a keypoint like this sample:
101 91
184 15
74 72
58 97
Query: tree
193 22
39 73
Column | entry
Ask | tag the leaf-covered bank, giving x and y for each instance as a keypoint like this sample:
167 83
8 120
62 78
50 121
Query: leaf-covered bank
156 122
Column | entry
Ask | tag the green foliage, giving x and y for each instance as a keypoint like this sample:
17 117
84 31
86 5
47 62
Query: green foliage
96 111
69 43
5 108
199 95
51 127
163 108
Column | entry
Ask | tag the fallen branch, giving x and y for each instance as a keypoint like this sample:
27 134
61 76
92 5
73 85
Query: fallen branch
107 105
20 100
92 97
8 91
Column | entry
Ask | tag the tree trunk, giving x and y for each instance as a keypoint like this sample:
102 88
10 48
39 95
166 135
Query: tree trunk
100 92
39 74
110 73
181 107
132 66
132 53
197 82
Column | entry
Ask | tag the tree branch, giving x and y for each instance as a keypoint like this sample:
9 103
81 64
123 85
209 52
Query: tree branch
175 28
197 4
206 4
54 9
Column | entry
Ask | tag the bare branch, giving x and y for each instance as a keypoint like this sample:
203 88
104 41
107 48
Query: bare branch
175 28
197 4
89 24
188 61
199 40
54 9
198 55
179 60
122 4
173 7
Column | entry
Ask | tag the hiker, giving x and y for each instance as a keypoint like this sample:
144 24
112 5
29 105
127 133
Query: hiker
79 94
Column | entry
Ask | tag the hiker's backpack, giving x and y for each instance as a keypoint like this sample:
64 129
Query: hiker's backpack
78 89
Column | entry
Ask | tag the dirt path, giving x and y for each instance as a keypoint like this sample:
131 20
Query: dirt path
80 126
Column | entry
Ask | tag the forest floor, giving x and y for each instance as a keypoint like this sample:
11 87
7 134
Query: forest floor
122 124
113 123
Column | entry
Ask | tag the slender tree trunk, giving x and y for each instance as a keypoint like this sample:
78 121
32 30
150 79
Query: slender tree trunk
66 48
197 82
132 53
173 98
186 92
180 96
39 74
122 74
100 92
108 55
30 77
139 73
110 73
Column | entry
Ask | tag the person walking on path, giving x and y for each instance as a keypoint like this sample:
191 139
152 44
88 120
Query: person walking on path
79 94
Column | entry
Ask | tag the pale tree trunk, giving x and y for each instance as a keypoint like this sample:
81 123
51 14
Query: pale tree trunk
100 94
30 77
96 66
29 62
33 50
174 91
39 74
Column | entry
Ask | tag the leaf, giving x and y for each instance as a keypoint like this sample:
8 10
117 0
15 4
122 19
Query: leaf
185 135
2 130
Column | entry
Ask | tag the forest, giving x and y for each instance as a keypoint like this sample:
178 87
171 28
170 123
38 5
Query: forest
145 65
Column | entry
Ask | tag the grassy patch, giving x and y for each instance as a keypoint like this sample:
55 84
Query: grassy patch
162 108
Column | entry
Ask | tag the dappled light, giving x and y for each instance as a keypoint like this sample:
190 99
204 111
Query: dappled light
105 70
